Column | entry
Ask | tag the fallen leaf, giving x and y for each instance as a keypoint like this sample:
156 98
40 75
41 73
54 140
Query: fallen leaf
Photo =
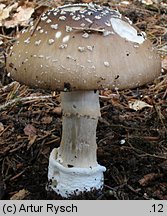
24 14
5 11
22 17
148 178
57 110
138 104
31 141
30 130
46 120
20 195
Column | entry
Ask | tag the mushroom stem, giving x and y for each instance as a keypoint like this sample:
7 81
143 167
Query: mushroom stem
73 167
81 111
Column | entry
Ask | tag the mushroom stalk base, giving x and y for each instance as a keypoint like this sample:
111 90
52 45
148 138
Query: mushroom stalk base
73 167
72 181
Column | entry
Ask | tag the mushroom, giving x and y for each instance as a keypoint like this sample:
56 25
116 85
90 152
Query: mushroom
80 49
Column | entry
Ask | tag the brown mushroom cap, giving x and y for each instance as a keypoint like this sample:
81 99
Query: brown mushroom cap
83 47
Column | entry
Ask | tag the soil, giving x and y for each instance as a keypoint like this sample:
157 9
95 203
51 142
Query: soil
132 144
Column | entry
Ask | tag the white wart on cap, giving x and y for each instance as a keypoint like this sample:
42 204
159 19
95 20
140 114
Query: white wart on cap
83 47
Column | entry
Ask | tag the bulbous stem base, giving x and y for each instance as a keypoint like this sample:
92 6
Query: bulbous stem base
72 181
73 166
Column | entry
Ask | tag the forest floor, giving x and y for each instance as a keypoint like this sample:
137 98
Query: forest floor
132 141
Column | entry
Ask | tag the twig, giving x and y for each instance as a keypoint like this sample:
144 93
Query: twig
8 87
16 100
5 36
36 25
17 175
133 190
160 115
143 153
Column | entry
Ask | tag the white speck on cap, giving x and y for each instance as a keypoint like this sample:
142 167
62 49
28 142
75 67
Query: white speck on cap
62 18
73 9
31 23
54 26
85 35
82 24
51 41
24 30
82 66
88 20
27 41
108 23
90 48
63 46
125 30
106 64
41 31
44 18
136 46
81 49
62 12
128 20
41 56
58 34
54 60
38 28
48 21
37 42
97 17
106 33
66 38
68 29
89 13
76 18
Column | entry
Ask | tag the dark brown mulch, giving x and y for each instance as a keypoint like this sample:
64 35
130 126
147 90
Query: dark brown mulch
131 144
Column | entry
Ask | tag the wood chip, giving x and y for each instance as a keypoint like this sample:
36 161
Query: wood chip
20 195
